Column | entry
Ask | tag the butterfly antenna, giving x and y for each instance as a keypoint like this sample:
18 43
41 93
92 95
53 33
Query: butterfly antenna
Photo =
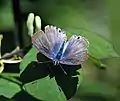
45 62
62 69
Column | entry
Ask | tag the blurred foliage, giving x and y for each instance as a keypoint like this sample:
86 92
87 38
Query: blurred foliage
73 17
82 14
6 15
114 23
98 21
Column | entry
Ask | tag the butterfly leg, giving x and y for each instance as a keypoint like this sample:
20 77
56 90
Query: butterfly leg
62 69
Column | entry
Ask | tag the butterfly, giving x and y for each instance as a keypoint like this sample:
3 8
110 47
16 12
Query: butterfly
53 43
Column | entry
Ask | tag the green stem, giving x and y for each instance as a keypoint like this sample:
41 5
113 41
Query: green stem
97 62
10 74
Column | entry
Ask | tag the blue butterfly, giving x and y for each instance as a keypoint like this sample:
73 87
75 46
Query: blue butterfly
53 44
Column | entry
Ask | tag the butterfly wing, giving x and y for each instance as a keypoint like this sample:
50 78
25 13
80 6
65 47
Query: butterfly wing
50 41
75 51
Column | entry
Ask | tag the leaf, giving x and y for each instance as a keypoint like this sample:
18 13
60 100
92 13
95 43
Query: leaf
8 88
24 96
28 58
37 71
45 89
2 98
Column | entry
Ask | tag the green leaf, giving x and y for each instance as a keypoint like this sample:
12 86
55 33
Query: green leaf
45 89
28 58
8 88
31 70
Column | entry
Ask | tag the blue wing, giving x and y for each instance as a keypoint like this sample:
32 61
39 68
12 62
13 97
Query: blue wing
49 42
75 51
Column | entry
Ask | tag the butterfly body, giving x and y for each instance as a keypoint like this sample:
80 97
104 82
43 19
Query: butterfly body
53 43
